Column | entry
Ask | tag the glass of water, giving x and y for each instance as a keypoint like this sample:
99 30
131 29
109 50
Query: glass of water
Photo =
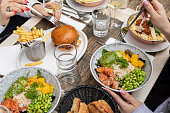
53 7
101 21
68 73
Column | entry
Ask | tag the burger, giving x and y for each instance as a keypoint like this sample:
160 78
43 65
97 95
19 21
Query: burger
66 34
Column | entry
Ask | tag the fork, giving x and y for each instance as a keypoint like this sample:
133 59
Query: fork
52 19
120 36
126 29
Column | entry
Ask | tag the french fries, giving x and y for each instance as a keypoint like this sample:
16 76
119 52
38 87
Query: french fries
27 36
34 63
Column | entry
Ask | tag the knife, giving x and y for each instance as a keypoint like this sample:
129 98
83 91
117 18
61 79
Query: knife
81 21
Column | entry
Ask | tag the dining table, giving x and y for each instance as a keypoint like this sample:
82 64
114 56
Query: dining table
159 58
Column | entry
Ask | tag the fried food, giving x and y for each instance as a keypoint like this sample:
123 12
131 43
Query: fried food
27 36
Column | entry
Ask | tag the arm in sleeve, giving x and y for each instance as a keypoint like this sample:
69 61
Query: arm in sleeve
2 28
28 13
143 109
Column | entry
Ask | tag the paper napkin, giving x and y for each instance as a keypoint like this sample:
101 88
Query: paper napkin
8 56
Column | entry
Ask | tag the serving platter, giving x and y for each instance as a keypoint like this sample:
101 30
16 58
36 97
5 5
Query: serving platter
49 61
79 7
145 47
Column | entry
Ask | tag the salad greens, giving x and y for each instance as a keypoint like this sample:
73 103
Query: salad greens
122 62
16 88
108 58
111 57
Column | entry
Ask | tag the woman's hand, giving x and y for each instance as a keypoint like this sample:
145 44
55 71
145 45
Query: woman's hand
158 16
40 9
14 6
125 107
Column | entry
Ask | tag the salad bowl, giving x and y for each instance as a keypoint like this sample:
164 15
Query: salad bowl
11 77
148 68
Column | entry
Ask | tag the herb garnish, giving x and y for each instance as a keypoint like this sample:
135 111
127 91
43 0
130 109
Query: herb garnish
32 93
150 24
122 62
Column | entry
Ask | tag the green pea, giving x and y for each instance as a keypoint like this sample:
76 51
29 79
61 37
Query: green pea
127 82
49 105
46 105
135 86
43 96
140 82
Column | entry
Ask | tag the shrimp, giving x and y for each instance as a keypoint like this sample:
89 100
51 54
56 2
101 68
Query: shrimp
102 77
101 69
11 105
115 84
109 72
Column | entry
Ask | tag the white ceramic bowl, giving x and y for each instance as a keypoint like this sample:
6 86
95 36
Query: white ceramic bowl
11 77
114 47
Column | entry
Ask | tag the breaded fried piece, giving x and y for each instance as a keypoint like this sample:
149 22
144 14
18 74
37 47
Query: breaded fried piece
106 106
83 108
76 105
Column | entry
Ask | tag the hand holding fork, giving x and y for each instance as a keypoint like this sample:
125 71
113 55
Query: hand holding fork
52 19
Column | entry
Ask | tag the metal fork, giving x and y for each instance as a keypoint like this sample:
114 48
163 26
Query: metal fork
52 19
120 36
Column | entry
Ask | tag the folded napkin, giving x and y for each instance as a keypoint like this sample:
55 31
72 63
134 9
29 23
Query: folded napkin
8 58
112 40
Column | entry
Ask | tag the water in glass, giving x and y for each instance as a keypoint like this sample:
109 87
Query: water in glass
68 73
101 21
53 7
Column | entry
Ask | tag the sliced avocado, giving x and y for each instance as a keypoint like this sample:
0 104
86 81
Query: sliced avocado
119 54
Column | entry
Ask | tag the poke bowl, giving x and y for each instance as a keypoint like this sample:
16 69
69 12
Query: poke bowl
121 66
144 31
30 90
89 3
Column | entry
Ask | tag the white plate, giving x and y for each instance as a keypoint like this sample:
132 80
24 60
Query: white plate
49 61
145 47
79 7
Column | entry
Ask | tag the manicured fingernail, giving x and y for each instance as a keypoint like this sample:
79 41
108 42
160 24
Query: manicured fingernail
123 92
22 10
26 1
145 2
27 8
15 12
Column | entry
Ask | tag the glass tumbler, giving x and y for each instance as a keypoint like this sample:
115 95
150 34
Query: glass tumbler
101 21
68 73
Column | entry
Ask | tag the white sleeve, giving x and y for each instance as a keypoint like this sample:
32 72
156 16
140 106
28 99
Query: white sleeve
143 109
28 13
2 28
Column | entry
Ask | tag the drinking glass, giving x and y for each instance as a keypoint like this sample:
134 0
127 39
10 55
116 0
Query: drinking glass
68 73
114 5
101 21
53 7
